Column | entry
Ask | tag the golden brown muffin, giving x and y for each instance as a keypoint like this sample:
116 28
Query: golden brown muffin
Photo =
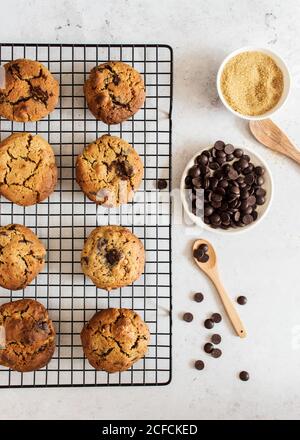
114 91
112 257
28 172
109 170
114 339
29 335
30 93
22 256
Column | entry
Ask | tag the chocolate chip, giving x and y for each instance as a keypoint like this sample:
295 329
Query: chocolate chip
199 365
216 317
247 219
102 242
116 80
162 184
85 260
203 247
208 323
124 169
208 347
259 171
216 339
216 353
188 317
42 325
242 300
203 259
219 145
113 256
238 153
198 297
244 376
229 149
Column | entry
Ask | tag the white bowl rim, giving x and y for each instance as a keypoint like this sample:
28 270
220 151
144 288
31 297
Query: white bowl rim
197 221
282 65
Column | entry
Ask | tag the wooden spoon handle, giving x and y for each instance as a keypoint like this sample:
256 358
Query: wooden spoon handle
270 135
227 303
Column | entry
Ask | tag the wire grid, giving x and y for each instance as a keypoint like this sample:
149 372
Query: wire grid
67 217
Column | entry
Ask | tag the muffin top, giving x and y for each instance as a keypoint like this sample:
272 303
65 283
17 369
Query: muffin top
112 257
114 91
114 339
109 170
28 172
22 256
28 335
30 92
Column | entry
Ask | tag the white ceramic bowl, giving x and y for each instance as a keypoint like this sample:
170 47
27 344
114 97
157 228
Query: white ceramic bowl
286 78
256 159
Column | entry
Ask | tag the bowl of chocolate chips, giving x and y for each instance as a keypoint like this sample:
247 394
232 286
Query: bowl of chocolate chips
226 188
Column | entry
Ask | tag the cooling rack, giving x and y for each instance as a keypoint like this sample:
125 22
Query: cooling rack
67 217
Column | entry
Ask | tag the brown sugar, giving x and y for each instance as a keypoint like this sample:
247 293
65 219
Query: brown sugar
252 83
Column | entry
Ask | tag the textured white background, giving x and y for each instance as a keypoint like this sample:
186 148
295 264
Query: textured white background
263 264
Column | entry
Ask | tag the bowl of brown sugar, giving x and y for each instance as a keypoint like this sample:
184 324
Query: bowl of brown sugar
253 83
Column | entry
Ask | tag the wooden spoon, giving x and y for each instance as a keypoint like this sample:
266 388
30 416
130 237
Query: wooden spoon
270 135
211 270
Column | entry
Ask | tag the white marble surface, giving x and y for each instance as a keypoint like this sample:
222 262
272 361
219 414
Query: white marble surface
262 264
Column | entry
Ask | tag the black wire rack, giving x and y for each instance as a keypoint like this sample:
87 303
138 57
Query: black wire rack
64 220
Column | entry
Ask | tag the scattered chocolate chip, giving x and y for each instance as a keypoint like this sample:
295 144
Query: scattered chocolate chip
162 184
242 300
209 323
216 317
216 353
198 297
199 365
244 376
113 256
188 317
208 347
216 339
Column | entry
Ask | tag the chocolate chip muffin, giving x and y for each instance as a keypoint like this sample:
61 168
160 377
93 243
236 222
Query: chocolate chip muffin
30 93
114 339
114 91
112 257
28 172
109 170
29 336
22 256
